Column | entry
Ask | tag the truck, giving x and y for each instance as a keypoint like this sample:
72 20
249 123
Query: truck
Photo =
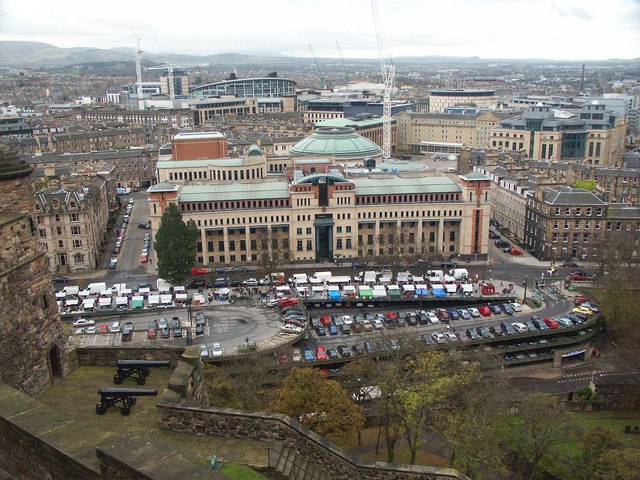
97 287
459 273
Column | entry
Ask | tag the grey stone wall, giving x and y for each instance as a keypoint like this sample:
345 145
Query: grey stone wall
280 429
108 356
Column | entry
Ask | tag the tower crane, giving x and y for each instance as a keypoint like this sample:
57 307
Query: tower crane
170 67
323 78
139 73
344 66
388 78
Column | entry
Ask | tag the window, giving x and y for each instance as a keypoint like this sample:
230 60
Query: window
232 245
599 212
309 245
42 233
221 246
339 229
57 217
74 217
452 236
339 244
299 231
309 231
77 244
348 243
79 258
75 230
59 230
60 244
348 229
299 246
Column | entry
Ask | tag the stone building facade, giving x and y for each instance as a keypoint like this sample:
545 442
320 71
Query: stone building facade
32 344
71 225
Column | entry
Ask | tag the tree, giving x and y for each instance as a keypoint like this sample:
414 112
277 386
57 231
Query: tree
589 185
594 444
320 404
273 249
621 464
538 428
175 245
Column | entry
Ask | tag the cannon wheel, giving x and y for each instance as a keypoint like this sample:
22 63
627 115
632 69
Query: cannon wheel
141 380
117 379
146 372
133 401
126 410
100 409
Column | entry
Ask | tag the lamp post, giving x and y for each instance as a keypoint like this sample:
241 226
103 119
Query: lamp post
524 284
189 321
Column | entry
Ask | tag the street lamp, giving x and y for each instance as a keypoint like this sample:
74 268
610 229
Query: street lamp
524 284
189 321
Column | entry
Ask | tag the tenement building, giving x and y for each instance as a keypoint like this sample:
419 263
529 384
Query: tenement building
565 223
320 209
591 135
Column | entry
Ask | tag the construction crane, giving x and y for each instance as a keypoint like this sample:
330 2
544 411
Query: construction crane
139 73
323 78
170 67
388 77
344 66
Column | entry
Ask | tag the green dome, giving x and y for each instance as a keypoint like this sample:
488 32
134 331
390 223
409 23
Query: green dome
254 151
343 142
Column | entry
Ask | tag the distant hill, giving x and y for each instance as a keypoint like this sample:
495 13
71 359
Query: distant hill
43 55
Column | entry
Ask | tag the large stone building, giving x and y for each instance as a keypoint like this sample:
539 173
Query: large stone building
32 344
182 118
317 209
563 223
439 100
423 132
134 168
367 126
591 135
72 225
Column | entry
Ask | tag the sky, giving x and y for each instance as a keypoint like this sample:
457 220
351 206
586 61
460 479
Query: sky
554 29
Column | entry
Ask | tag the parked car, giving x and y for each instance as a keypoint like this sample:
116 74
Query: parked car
195 284
288 328
484 332
60 279
343 351
220 270
520 327
502 244
507 309
152 333
453 314
515 306
442 314
250 282
507 329
448 264
464 314
199 271
474 312
552 323
240 270
144 225
439 338
332 353
433 318
472 334
484 311
83 322
321 353
495 309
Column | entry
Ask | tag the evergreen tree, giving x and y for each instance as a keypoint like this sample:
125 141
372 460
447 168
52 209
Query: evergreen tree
175 246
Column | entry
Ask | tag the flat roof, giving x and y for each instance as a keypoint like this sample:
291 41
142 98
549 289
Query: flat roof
197 135
393 184
234 191
225 162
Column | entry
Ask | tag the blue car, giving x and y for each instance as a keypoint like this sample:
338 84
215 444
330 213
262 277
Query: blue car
453 314
309 356
333 330
321 331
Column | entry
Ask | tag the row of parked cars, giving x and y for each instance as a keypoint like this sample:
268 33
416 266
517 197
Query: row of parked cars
367 322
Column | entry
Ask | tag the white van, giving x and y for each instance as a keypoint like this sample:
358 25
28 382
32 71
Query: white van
97 287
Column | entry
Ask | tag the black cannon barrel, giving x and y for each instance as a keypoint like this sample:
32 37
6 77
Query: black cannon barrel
143 363
128 392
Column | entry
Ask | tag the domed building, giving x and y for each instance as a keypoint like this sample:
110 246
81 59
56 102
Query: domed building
341 143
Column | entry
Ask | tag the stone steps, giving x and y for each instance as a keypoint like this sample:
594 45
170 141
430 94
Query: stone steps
294 466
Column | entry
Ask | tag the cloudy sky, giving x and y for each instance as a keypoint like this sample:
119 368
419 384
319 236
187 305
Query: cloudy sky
556 29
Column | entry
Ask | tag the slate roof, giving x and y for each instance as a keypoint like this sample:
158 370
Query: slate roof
571 196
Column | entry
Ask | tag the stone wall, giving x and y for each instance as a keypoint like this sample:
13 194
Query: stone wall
177 412
32 344
108 356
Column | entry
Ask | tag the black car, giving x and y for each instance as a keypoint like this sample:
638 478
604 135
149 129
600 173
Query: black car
332 353
235 283
240 270
502 244
199 330
60 279
144 225
358 265
320 331
195 284
368 347
448 264
357 349
201 319
484 332
343 351
220 283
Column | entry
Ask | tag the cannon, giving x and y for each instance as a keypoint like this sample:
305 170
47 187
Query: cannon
123 398
138 369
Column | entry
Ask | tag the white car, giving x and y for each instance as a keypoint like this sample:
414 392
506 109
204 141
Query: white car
347 320
520 327
79 331
433 318
91 329
250 282
439 338
289 328
296 355
377 324
474 312
83 322
450 336
131 201
115 327
204 351
217 350
516 307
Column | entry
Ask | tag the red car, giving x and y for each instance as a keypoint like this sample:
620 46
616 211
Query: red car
391 315
325 320
485 311
515 251
199 271
143 258
287 302
322 353
103 329
551 322
152 333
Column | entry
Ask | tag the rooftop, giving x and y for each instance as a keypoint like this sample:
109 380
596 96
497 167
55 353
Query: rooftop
393 184
235 191
198 135
338 141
